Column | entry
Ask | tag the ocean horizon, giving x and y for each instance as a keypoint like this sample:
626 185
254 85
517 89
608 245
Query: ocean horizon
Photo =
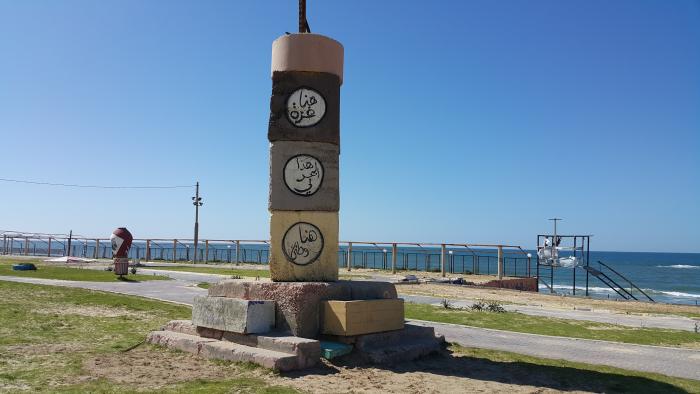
667 277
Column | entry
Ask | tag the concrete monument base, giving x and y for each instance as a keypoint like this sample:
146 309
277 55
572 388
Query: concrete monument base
223 323
298 304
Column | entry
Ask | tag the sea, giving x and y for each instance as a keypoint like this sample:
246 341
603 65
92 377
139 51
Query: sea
665 277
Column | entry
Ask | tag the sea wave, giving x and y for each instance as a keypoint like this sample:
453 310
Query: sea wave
594 289
680 294
679 266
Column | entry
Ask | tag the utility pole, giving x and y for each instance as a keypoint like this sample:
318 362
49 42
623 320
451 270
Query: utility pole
70 240
197 202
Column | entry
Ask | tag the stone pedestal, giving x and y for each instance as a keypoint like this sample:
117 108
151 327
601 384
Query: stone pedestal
298 304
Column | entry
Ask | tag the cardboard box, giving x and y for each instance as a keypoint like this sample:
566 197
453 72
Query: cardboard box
347 318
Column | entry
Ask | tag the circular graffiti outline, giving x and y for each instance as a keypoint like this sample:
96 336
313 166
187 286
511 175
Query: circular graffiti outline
284 243
289 103
320 182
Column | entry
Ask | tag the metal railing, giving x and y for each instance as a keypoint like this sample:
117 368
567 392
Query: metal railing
453 258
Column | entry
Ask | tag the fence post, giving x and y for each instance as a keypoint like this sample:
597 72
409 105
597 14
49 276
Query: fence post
97 248
148 250
26 246
174 249
442 259
238 251
4 243
49 251
393 258
206 251
349 260
500 262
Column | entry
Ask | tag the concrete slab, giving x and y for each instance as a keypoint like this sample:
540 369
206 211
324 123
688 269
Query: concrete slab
307 351
230 351
222 350
303 246
233 314
304 176
176 340
324 85
396 346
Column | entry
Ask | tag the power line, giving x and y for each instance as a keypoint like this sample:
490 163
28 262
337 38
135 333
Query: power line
93 186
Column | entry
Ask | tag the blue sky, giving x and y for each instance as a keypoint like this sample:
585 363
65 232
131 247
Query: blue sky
461 121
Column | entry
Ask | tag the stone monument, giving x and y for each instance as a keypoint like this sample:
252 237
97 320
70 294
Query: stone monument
286 323
304 135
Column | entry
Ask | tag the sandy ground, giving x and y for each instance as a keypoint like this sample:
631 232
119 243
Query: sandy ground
545 300
149 367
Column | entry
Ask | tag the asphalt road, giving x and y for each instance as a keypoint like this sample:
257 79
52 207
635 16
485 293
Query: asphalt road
684 363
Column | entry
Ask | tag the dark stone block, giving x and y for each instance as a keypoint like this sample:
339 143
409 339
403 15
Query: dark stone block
281 128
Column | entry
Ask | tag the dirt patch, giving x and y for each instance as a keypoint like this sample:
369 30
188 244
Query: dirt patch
150 367
90 311
443 373
43 349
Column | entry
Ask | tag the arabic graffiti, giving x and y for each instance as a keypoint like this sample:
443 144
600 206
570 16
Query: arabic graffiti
305 107
303 174
302 244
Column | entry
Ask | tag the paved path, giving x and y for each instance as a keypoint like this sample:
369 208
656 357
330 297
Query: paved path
652 321
179 291
637 321
684 363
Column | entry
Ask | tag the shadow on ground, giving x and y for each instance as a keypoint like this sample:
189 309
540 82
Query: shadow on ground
522 373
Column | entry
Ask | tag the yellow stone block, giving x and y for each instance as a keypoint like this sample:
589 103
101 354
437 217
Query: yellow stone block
303 246
346 318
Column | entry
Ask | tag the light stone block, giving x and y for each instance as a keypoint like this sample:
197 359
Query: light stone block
357 317
304 176
303 246
233 314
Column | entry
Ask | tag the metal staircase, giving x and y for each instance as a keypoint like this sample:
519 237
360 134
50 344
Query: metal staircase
610 278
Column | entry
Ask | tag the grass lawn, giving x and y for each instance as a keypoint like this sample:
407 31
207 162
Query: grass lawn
56 339
48 271
518 322
571 376
250 273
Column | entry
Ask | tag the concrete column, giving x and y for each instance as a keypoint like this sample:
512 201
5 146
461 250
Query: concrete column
442 259
148 250
304 135
97 249
500 262
393 258
174 250
238 248
26 246
206 251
